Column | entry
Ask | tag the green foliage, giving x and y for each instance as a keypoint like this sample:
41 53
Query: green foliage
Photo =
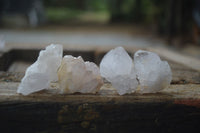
97 5
72 4
145 11
127 6
141 10
61 14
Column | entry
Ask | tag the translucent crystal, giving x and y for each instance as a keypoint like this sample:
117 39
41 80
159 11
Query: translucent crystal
153 74
75 75
117 67
43 71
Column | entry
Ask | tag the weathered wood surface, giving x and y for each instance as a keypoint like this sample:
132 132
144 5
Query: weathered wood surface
177 57
174 109
8 92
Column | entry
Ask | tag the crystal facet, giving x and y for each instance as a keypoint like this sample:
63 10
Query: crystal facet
39 75
117 67
153 74
75 75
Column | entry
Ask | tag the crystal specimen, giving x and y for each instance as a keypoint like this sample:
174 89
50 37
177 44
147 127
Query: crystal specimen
75 75
39 75
152 73
117 67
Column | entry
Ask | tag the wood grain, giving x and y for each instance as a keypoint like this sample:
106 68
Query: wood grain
175 109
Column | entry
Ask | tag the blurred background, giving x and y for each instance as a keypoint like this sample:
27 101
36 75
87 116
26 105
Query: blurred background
171 24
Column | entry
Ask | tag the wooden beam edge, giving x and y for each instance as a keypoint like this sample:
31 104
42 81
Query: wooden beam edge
8 93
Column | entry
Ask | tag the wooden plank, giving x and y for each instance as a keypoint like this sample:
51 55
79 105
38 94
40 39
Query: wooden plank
8 92
98 117
183 75
175 109
11 76
178 58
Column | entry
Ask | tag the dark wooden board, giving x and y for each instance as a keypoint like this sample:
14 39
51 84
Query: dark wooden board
175 109
106 117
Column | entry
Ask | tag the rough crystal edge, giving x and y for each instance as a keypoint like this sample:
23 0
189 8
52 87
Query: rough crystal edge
21 89
87 64
138 87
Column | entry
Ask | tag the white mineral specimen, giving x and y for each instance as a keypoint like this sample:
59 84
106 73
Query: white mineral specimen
117 67
39 75
75 75
153 74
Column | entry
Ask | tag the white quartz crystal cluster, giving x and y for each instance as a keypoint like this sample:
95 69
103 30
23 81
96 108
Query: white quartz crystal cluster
148 72
74 74
153 73
39 75
117 67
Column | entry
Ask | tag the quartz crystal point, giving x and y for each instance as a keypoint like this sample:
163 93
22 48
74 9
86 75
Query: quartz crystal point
117 67
75 75
39 75
152 73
